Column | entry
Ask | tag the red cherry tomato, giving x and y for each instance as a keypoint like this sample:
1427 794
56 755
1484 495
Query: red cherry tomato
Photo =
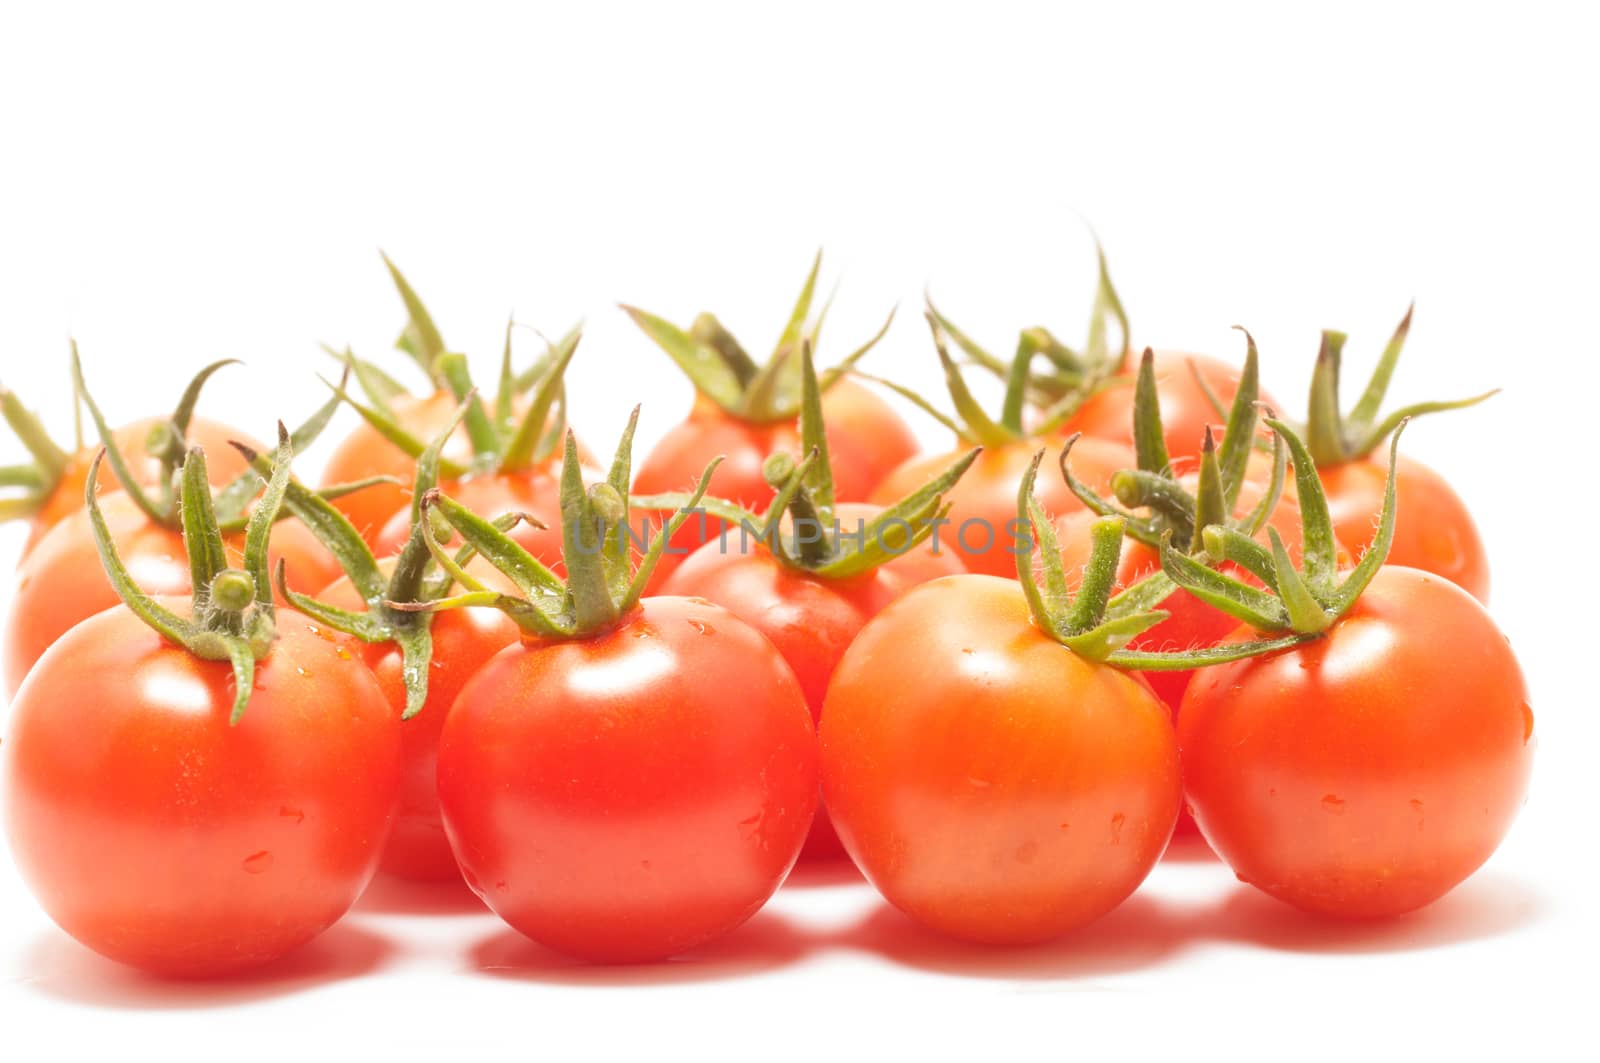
61 582
627 796
992 784
225 463
463 639
982 528
1367 772
1185 410
809 619
866 440
1433 530
160 836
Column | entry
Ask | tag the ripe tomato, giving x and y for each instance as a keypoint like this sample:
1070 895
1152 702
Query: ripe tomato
1367 772
983 511
609 798
463 639
992 784
1185 410
867 439
365 452
61 581
67 496
1433 530
810 619
160 836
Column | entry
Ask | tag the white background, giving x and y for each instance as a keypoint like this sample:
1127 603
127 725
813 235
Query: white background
178 185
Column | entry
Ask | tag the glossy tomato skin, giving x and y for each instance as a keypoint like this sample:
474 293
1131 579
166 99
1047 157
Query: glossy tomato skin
1185 410
990 783
866 440
982 531
62 580
626 797
809 619
1366 773
463 640
223 463
160 836
1432 531
536 491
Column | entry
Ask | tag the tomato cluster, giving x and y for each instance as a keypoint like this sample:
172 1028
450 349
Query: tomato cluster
621 703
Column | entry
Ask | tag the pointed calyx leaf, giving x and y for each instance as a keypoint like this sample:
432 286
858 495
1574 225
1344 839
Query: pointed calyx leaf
723 371
601 585
1306 600
1155 504
1094 623
1068 377
231 610
416 577
1334 438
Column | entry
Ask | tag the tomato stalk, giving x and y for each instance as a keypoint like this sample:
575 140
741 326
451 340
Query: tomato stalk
1072 375
1305 600
1333 437
231 611
815 542
1093 623
601 585
724 372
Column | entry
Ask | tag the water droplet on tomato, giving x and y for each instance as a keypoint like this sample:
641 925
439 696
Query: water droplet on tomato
341 653
1333 804
702 627
302 672
256 863
1116 828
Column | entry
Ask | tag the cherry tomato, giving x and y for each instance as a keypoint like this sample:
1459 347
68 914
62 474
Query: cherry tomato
67 498
1367 772
866 440
61 582
992 784
809 619
160 836
630 795
984 501
463 639
1185 410
1433 530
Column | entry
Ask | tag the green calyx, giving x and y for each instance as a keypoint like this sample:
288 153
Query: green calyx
231 613
724 372
601 585
812 539
1333 437
1094 623
1169 510
502 440
1305 600
416 578
25 488
1069 377
161 501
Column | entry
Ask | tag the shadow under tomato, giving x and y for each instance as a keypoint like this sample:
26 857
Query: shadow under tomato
69 971
1485 906
824 871
768 941
392 895
1140 933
